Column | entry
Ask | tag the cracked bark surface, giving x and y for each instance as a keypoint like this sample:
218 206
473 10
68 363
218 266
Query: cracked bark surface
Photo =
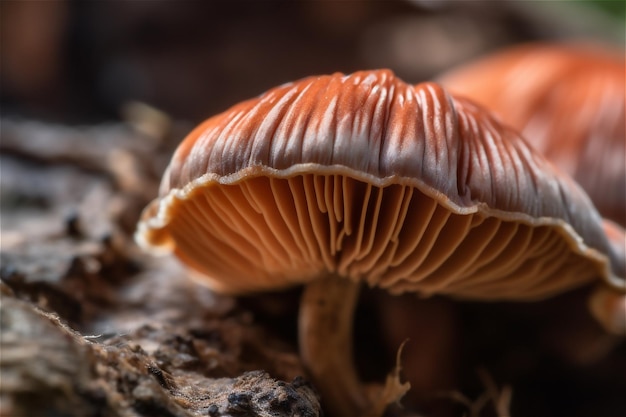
92 327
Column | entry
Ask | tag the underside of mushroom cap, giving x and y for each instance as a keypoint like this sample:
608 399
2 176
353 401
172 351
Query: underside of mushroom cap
373 179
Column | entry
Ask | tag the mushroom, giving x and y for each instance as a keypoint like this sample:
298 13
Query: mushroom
336 181
568 102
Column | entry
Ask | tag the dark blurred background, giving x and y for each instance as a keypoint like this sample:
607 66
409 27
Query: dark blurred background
75 61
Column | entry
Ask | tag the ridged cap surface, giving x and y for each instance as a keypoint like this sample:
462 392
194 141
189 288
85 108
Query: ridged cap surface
568 100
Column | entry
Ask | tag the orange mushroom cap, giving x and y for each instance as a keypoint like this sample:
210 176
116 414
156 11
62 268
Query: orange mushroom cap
568 100
367 177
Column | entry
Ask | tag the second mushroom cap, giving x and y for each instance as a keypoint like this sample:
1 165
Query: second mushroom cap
568 100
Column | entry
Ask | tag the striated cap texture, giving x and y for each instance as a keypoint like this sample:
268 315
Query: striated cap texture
568 100
369 178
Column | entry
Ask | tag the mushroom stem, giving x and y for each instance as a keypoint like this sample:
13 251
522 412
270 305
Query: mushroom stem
325 336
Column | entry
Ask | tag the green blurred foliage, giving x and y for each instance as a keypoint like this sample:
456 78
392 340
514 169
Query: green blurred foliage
616 8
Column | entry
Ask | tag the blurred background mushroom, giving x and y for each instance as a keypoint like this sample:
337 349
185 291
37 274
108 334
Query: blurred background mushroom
568 101
81 63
